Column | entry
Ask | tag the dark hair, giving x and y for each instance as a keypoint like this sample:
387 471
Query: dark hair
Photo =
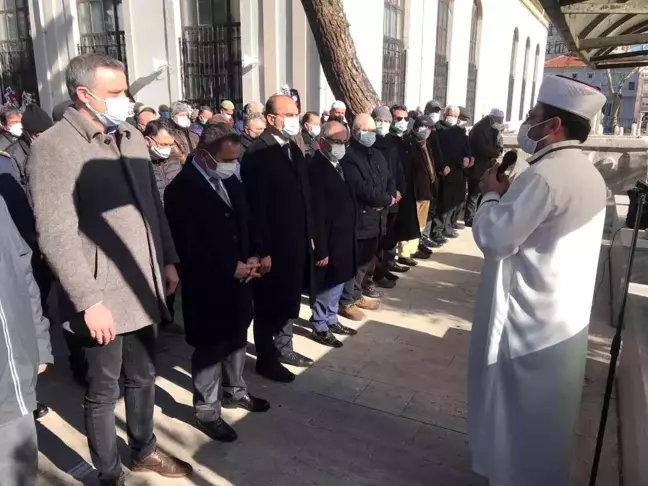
6 112
307 117
163 108
215 135
395 108
205 108
575 127
155 126
81 70
146 109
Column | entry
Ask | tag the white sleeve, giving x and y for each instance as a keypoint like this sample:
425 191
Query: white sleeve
501 225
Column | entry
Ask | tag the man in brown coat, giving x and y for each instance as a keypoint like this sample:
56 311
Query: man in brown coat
102 229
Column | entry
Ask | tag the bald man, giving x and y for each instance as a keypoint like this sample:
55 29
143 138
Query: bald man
275 178
249 109
367 173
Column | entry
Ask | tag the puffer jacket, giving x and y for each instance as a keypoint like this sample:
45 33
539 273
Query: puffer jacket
24 340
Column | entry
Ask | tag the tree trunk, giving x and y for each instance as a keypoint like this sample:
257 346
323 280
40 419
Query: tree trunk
344 73
616 108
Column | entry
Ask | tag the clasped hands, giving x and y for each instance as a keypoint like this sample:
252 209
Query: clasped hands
252 268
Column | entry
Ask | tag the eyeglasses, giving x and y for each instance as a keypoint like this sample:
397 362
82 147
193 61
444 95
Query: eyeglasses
401 118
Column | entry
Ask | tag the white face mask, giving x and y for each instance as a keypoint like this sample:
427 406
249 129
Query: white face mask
401 126
117 110
291 126
435 116
496 126
16 129
182 121
224 170
315 130
228 116
336 153
462 123
526 143
160 152
451 120
382 128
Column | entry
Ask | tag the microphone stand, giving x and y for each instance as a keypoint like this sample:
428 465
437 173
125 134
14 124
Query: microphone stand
642 189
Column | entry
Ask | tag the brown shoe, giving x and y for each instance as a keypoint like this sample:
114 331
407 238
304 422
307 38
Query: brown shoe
351 312
163 464
367 304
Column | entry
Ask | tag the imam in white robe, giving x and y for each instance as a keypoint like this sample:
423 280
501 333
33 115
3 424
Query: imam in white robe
528 349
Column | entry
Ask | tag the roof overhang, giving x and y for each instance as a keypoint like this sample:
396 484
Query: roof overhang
593 29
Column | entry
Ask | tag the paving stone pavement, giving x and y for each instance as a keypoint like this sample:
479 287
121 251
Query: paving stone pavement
389 408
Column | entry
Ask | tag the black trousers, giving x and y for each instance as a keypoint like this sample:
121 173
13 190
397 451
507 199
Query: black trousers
272 339
366 250
133 352
471 199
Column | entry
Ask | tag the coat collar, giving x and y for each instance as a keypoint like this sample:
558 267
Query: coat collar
566 144
87 130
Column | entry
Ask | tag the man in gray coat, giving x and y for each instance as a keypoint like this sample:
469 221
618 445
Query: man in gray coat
102 229
24 351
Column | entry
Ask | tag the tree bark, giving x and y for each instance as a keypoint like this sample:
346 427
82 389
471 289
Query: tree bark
343 71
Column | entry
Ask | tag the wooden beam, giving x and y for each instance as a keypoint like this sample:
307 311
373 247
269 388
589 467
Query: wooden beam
605 8
569 37
622 56
619 40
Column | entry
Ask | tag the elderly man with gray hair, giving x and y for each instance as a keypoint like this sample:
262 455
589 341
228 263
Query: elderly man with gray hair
251 108
186 140
103 231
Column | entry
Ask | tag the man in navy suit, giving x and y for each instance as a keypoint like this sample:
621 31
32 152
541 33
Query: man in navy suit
209 220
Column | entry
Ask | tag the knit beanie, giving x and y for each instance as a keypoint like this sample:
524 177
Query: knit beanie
35 120
382 112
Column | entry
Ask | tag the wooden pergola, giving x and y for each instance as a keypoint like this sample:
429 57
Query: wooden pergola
594 29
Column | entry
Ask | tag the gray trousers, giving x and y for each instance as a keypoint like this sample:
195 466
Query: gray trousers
212 378
19 452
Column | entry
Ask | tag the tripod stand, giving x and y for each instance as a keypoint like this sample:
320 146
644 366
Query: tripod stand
642 188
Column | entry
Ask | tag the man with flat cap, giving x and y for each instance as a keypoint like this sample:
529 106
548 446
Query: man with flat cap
540 236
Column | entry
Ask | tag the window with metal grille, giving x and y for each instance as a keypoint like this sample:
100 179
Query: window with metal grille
511 87
441 61
211 51
394 55
535 75
527 53
18 71
100 27
473 54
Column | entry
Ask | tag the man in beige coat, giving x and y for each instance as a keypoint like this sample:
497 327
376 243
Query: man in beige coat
103 231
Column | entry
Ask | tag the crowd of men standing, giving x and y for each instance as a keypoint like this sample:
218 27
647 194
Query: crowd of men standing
121 212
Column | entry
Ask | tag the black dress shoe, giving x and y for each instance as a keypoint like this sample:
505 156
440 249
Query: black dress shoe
275 372
327 339
218 430
419 255
395 267
386 283
41 411
392 277
295 359
440 239
338 328
431 243
450 234
410 262
372 292
247 402
469 223
424 249
458 226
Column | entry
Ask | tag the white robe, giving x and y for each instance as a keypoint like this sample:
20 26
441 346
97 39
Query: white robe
541 244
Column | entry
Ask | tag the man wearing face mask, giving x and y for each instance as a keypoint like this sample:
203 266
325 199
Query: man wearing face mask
453 144
11 139
541 239
486 145
227 110
158 135
205 114
367 173
423 190
255 124
103 231
334 215
186 140
338 112
275 177
308 138
216 282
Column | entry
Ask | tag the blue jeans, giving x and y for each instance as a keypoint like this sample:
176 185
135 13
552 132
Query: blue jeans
326 308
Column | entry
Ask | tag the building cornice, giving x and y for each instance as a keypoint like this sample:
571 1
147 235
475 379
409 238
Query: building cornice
537 11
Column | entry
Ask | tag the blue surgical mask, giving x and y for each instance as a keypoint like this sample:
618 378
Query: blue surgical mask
366 138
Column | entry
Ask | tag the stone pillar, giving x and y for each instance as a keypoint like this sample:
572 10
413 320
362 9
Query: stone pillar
251 51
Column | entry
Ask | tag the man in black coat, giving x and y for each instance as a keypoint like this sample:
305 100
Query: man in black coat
275 177
367 173
334 215
253 126
209 220
486 145
308 138
453 145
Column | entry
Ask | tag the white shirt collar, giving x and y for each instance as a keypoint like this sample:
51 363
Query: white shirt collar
280 140
565 143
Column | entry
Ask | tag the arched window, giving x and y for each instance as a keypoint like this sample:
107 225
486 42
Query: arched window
511 88
527 53
441 61
473 56
535 75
